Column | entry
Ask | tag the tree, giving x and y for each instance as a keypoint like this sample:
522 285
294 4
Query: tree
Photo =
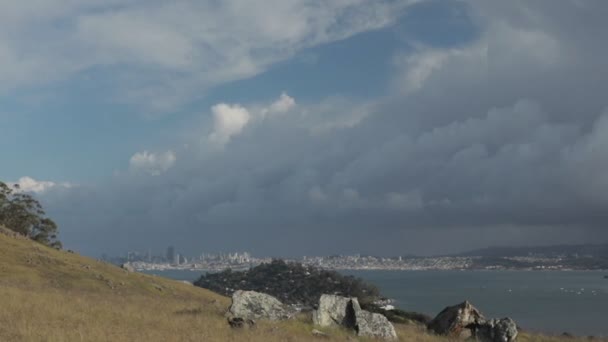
22 213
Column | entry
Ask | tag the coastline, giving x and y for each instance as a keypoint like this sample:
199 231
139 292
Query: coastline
160 267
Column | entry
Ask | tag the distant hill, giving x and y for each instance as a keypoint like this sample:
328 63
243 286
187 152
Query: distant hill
292 283
586 250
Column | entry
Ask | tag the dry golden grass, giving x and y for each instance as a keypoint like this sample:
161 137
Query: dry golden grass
49 295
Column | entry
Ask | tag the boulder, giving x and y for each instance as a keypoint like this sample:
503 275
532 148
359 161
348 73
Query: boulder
346 312
336 311
374 325
454 319
255 305
127 267
496 330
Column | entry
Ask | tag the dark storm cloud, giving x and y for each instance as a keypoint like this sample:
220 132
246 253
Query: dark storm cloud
502 141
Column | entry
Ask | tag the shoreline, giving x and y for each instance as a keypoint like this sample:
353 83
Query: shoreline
144 269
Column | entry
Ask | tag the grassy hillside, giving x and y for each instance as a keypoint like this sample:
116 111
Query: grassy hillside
50 295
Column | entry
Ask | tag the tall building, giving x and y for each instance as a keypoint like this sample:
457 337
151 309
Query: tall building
170 254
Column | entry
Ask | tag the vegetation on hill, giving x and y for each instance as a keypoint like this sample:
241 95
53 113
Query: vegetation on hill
292 283
22 213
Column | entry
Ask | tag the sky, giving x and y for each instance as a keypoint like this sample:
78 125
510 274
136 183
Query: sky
308 127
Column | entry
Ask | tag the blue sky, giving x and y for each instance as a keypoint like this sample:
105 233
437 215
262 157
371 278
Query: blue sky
392 122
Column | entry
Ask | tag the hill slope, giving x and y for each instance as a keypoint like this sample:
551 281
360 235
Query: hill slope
50 295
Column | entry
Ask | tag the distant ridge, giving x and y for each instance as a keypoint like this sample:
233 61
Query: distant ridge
588 250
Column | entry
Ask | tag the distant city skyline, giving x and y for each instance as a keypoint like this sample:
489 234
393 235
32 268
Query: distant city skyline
586 257
174 257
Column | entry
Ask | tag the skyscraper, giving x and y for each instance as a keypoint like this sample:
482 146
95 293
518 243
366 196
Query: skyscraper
170 254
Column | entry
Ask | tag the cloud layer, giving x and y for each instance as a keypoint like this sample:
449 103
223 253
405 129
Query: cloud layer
152 163
29 184
499 141
162 54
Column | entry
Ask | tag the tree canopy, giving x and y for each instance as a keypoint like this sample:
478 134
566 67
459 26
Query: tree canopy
22 213
292 283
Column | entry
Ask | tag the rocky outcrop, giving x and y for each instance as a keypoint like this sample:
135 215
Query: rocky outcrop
336 311
255 305
374 325
464 317
496 330
127 267
453 320
346 312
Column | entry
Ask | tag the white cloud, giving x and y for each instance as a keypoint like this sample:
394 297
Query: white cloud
420 67
152 163
28 184
164 54
502 48
335 113
282 105
229 120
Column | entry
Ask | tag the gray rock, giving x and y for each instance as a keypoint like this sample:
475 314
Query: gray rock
454 319
496 330
255 305
127 267
346 312
336 311
374 325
